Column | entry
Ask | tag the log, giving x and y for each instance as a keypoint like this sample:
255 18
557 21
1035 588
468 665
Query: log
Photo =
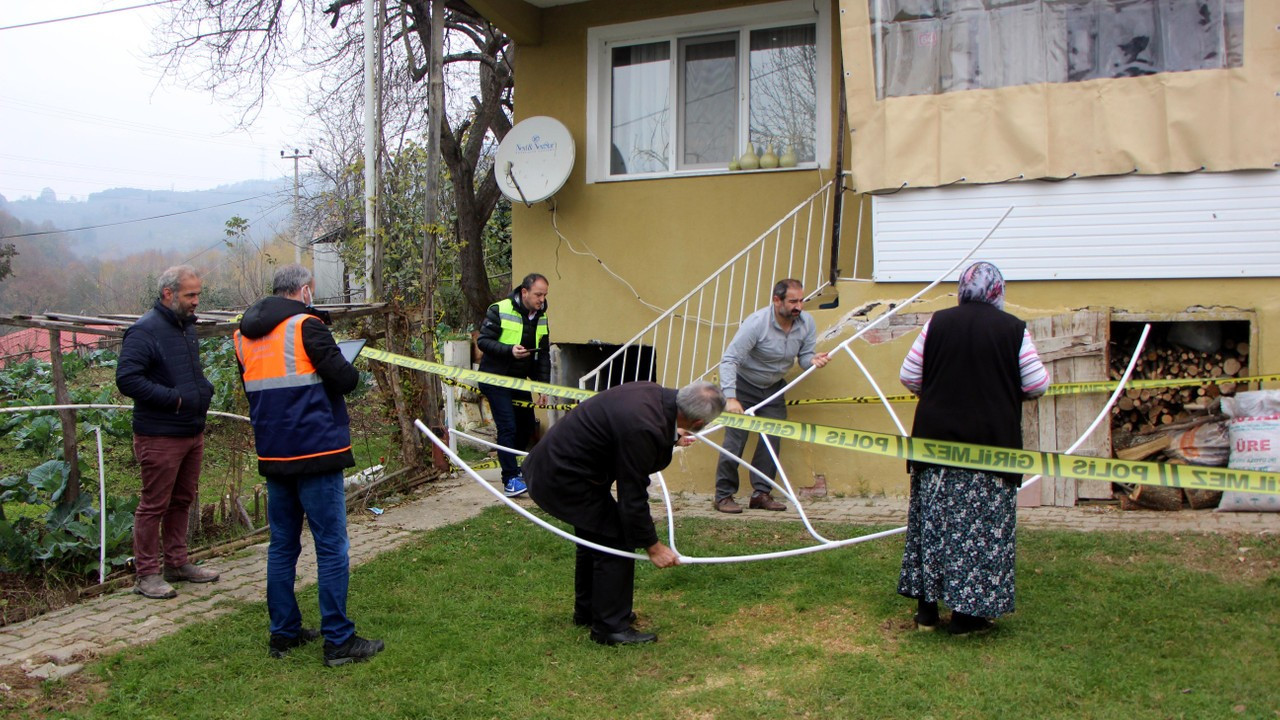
1144 450
1158 497
1202 499
1231 367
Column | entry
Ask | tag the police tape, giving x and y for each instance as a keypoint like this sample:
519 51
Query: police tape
469 375
1007 460
1072 388
518 403
936 452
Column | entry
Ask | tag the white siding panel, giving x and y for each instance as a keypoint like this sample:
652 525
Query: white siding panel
1138 226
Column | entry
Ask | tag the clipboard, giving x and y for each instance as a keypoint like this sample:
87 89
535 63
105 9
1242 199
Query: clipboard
351 348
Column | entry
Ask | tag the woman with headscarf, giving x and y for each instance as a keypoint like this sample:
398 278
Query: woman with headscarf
971 367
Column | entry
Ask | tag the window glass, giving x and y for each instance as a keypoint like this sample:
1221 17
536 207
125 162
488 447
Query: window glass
641 108
931 46
709 100
783 90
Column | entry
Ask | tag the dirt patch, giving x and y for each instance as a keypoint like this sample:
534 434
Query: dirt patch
833 630
686 686
1237 558
26 596
36 698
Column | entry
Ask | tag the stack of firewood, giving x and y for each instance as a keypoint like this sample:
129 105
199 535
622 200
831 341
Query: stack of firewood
1143 411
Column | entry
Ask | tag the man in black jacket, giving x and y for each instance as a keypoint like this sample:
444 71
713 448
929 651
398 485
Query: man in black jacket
515 342
159 367
623 435
295 378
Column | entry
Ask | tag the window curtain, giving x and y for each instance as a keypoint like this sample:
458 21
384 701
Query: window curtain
640 135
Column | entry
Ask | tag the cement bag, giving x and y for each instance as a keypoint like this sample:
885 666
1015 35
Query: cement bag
1254 429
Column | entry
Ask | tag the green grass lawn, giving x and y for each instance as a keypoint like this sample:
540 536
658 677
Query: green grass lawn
476 621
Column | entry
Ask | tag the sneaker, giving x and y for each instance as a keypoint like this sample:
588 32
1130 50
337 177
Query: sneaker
154 587
355 649
282 644
190 573
515 486
727 505
765 501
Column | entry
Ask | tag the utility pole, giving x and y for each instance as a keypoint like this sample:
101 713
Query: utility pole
372 135
297 240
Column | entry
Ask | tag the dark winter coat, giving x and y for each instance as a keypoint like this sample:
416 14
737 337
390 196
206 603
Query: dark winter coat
497 355
621 436
160 363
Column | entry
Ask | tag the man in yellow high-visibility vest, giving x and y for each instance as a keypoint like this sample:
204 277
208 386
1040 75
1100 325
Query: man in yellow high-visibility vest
516 343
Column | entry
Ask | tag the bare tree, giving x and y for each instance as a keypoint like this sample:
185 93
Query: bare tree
236 48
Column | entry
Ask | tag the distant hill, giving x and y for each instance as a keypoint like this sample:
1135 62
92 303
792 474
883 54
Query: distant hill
181 220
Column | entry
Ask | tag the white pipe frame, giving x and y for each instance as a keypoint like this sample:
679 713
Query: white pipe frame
99 406
824 543
102 511
684 559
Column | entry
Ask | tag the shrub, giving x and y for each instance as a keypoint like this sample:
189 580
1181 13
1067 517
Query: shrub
65 541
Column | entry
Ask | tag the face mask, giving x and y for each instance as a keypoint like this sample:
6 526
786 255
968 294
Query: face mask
307 297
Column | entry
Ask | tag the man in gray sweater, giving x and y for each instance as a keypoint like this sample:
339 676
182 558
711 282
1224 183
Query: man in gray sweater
750 371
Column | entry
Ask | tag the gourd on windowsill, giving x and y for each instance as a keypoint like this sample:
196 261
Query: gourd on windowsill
749 161
769 159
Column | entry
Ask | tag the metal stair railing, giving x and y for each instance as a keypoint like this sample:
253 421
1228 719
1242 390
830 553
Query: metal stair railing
686 341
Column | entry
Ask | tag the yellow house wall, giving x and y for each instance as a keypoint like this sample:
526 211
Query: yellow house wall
664 236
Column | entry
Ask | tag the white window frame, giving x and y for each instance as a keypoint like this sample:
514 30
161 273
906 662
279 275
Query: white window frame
601 40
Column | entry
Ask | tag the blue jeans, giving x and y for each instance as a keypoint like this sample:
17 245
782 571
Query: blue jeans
514 424
322 499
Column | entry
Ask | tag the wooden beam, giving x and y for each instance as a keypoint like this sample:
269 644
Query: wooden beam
34 322
68 417
211 323
521 21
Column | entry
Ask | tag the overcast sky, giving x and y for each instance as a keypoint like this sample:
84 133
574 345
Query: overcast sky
82 110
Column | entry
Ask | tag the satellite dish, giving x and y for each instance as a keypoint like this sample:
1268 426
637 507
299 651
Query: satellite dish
534 159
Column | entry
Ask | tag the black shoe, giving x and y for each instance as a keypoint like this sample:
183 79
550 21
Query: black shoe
282 644
355 649
630 636
580 621
962 624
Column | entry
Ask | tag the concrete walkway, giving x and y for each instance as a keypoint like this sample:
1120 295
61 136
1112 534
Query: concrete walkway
56 644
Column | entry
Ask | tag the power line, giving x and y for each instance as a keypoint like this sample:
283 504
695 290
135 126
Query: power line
86 15
126 222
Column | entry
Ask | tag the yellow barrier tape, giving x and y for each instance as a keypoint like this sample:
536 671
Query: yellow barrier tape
1028 462
468 375
520 403
937 452
1075 388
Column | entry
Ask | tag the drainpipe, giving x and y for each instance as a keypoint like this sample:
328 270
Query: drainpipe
837 198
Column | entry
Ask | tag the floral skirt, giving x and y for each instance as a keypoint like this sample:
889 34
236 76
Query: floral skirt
960 540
